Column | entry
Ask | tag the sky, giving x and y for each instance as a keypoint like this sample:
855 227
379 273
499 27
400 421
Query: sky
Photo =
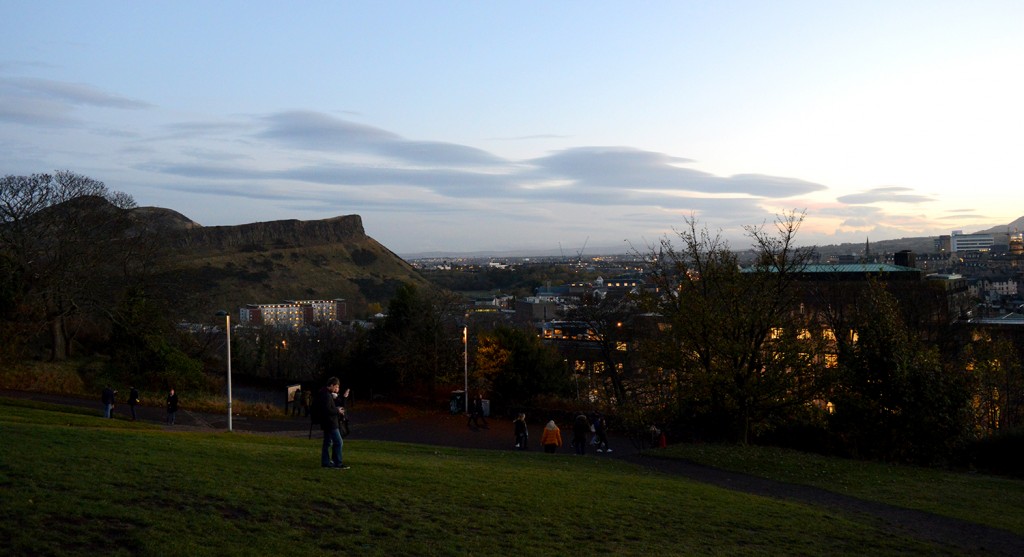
469 126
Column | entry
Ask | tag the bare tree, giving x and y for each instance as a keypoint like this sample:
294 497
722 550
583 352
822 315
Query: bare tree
64 238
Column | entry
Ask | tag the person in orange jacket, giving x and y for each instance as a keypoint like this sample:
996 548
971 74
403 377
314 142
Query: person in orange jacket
551 438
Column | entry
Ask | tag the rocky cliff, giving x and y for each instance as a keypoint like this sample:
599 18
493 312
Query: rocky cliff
270 235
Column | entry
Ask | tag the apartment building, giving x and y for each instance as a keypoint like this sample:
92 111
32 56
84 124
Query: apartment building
293 313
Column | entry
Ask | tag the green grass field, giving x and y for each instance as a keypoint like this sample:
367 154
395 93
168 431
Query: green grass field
983 499
74 484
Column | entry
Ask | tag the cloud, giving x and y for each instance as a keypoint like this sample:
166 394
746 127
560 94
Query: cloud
35 112
337 157
50 104
530 137
196 130
71 93
885 195
622 168
322 132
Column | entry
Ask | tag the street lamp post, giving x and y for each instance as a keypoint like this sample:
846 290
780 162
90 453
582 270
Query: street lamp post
465 364
227 322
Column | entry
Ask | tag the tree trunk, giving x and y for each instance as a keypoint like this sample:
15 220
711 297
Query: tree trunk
59 352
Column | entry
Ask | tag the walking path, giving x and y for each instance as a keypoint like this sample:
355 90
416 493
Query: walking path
400 424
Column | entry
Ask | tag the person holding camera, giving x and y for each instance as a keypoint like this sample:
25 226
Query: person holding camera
330 415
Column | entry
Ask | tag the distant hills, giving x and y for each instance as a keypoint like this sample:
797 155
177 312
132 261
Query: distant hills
921 244
226 267
1015 226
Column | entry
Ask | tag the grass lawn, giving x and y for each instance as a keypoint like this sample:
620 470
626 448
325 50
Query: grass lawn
989 500
72 483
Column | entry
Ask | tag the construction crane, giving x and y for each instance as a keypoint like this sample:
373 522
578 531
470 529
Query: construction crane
579 254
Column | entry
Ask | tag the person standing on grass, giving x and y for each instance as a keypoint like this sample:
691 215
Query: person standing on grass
329 414
172 406
522 432
580 432
133 399
108 401
601 431
342 401
551 439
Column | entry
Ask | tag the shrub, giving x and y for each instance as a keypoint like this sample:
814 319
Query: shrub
1001 453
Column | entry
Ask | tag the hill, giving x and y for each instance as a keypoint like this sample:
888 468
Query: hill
923 244
226 267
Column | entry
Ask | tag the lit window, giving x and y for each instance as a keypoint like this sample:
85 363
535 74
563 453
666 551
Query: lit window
621 346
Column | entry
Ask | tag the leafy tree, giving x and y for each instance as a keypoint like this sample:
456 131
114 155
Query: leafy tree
417 343
895 399
732 337
515 366
995 366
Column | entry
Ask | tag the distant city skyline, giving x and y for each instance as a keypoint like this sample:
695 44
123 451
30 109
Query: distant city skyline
529 126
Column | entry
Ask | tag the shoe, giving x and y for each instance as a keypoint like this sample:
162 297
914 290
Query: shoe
343 467
600 450
608 450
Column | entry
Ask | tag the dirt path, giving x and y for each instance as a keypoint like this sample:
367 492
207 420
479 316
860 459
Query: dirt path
395 423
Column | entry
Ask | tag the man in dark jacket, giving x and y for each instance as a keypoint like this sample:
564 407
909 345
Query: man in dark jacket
133 399
330 415
172 407
580 432
108 402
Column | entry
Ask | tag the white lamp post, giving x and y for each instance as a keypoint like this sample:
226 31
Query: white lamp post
227 322
465 364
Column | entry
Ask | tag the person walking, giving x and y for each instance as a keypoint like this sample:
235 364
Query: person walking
522 432
551 438
580 432
601 431
172 406
329 414
108 401
133 399
476 412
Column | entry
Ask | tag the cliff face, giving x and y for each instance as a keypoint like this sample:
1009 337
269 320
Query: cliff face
271 235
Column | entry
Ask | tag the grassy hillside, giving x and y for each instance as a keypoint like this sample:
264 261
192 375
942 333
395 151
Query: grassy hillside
75 484
359 270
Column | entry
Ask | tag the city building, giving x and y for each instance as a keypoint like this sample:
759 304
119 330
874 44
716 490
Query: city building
293 313
960 242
